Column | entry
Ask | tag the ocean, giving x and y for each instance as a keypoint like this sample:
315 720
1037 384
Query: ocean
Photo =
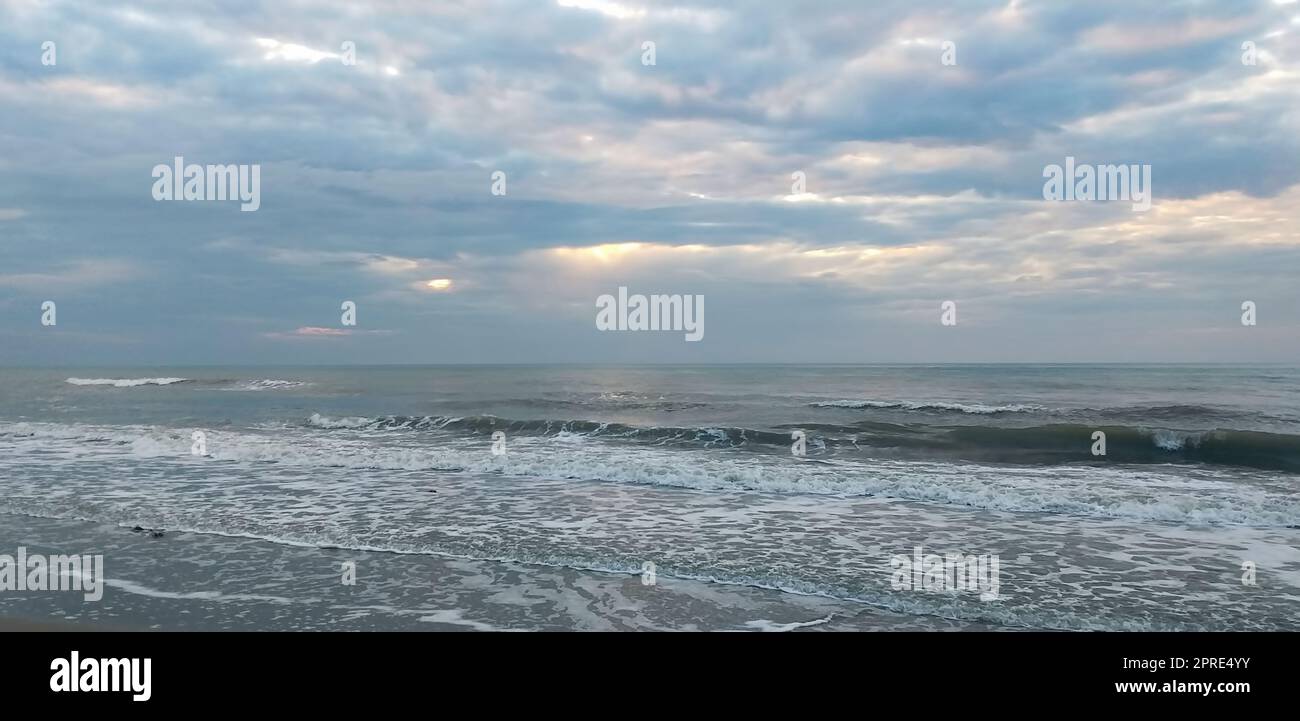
746 498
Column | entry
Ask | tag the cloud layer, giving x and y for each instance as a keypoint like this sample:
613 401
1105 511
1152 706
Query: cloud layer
922 180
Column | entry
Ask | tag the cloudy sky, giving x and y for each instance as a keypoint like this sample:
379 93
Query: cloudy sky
924 180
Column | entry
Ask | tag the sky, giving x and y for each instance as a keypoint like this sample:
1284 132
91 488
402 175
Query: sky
825 174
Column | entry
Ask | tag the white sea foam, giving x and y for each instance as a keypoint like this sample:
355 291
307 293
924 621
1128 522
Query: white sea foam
268 384
973 408
509 516
455 617
140 589
763 624
125 382
1169 440
320 421
1153 493
950 607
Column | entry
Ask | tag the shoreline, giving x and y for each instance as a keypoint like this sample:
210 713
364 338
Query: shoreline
22 624
187 581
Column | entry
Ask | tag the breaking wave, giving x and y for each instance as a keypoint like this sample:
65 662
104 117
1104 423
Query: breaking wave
126 382
1031 445
972 408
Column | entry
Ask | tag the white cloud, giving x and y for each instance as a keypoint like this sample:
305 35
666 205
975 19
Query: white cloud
605 7
291 52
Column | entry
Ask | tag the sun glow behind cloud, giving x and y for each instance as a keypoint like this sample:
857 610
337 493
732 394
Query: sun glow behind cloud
604 7
290 52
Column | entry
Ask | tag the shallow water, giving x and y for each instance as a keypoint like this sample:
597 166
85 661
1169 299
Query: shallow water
606 469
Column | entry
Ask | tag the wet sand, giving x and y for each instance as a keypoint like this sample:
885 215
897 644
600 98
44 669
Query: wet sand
202 582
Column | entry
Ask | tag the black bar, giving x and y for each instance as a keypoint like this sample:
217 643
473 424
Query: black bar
955 671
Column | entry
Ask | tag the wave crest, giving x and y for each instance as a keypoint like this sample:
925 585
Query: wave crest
125 382
971 408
